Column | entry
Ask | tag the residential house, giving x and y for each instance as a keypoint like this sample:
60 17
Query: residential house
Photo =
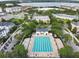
13 9
5 28
65 16
41 18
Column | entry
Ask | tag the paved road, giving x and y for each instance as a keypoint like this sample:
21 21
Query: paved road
72 34
71 43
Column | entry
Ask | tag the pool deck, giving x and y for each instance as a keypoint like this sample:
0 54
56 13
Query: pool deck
54 53
59 43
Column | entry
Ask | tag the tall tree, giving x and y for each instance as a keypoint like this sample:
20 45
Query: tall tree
67 37
2 55
74 31
2 5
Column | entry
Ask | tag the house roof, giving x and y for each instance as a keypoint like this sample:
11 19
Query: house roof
40 18
65 16
6 24
2 30
42 29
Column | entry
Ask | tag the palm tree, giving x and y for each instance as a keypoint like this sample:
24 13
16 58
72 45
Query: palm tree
2 5
77 13
67 37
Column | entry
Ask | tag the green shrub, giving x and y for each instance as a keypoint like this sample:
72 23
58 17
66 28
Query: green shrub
66 52
76 55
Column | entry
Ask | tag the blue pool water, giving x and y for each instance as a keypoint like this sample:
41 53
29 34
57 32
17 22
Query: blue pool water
42 44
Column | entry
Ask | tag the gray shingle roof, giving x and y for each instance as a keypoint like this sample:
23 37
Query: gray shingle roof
6 24
42 29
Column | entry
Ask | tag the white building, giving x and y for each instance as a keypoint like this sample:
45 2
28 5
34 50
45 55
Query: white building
65 16
10 16
3 32
74 7
42 31
41 18
5 28
45 9
9 4
6 25
13 9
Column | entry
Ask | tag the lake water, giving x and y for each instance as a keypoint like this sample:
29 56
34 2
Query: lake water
47 4
49 0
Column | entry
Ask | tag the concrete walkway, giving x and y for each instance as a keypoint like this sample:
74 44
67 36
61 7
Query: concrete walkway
26 43
59 43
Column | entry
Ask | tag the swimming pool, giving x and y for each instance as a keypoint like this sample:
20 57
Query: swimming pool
42 44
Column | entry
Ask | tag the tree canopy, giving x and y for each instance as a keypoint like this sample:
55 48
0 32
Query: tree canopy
66 52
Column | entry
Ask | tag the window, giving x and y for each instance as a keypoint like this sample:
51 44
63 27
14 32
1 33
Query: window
7 44
5 47
11 39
